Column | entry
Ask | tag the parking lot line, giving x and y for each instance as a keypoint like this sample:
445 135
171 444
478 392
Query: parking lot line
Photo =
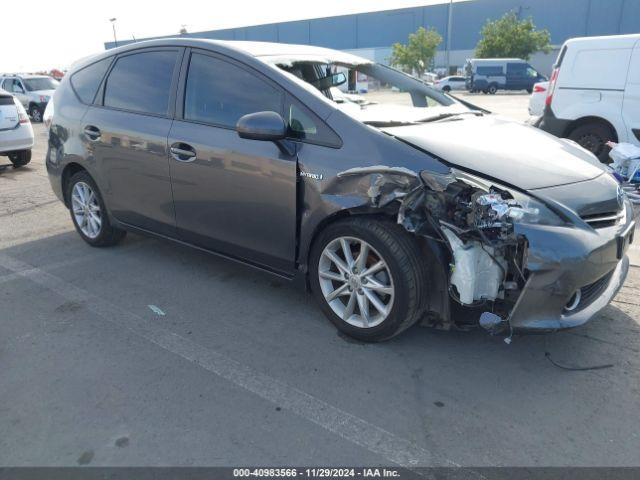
350 427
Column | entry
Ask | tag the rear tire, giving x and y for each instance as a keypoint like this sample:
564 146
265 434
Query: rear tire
400 287
593 136
493 88
446 89
21 158
89 214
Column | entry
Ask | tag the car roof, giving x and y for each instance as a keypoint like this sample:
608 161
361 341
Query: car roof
263 56
294 52
268 52
620 41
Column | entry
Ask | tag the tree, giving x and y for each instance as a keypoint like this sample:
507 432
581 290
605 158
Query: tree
511 37
417 55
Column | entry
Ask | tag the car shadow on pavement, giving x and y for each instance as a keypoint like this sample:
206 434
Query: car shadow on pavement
157 266
7 170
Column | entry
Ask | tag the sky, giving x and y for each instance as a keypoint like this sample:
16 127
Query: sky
54 33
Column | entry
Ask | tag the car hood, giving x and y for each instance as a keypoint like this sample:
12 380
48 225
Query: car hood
47 93
509 151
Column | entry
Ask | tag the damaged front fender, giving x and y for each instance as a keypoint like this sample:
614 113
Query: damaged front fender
468 229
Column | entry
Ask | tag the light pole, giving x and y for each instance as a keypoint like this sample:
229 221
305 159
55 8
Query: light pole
113 25
449 24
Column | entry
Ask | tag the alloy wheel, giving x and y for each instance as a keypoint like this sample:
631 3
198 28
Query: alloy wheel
356 282
86 210
36 115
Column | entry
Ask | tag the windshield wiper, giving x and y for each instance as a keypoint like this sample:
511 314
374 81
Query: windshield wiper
443 116
390 123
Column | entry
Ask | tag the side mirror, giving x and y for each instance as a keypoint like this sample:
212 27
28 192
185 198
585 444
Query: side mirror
267 126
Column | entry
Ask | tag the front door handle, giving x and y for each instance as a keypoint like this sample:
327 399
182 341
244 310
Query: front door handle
183 152
92 133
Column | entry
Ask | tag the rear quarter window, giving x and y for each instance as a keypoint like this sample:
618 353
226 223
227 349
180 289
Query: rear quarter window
85 82
141 82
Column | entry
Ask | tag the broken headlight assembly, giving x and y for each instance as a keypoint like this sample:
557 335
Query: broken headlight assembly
509 204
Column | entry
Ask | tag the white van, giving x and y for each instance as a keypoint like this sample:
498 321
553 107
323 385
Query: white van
594 93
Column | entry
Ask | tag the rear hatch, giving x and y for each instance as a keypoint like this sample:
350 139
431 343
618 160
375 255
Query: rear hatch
8 112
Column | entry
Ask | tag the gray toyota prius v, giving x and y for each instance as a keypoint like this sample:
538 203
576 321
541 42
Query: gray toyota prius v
391 201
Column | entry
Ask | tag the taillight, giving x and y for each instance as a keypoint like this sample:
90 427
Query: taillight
539 89
552 86
22 113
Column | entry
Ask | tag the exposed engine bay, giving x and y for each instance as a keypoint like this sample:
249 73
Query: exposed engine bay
475 224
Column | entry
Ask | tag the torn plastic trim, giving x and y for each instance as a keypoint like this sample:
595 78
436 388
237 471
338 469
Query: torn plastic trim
379 184
474 220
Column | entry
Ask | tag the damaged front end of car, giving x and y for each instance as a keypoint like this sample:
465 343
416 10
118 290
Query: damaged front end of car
483 228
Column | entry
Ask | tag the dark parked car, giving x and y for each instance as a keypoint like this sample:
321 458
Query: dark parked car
406 204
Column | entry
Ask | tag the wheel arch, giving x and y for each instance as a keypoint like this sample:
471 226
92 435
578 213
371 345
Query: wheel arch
436 255
305 250
590 119
69 171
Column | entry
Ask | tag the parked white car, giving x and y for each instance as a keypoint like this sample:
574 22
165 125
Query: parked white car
16 133
33 91
594 93
537 99
447 84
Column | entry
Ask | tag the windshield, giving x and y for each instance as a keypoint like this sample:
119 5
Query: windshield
40 83
368 85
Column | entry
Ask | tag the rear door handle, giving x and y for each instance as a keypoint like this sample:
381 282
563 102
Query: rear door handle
93 133
183 152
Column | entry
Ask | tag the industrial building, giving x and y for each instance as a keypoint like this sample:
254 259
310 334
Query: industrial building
372 34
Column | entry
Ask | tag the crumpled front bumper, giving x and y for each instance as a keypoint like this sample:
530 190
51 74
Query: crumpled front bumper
564 260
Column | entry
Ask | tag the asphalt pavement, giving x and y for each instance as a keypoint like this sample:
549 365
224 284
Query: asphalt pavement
150 353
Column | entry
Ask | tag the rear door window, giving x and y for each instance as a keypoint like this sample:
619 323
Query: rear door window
219 92
85 82
141 82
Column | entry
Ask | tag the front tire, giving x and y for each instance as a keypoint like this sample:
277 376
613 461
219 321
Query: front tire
36 114
369 277
88 212
21 158
593 136
446 89
493 88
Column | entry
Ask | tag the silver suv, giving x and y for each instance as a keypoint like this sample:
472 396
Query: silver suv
33 91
